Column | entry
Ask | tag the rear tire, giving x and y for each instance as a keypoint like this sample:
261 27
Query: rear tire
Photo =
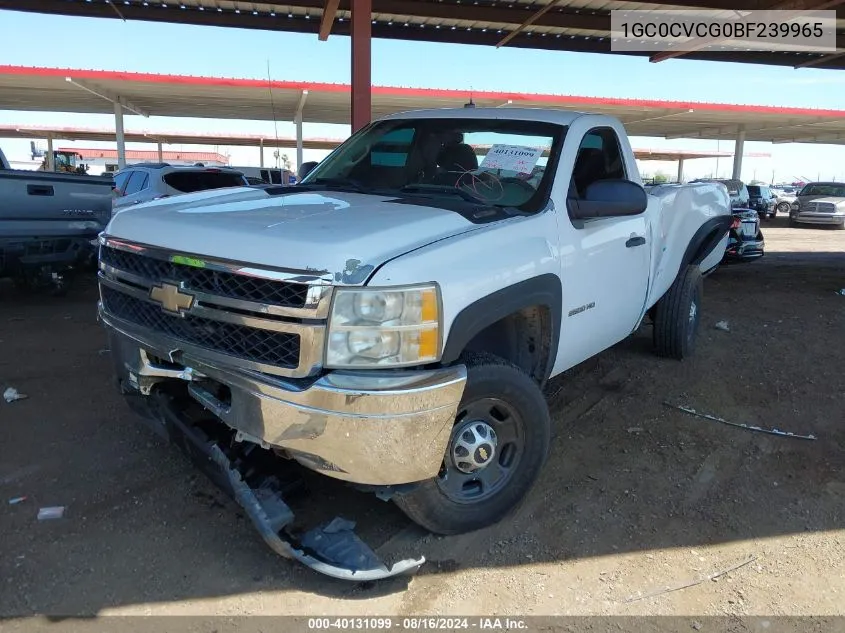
678 316
504 399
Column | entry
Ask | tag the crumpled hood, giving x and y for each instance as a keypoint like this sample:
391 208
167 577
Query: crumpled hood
344 234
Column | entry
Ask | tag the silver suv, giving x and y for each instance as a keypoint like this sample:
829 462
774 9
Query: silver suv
150 181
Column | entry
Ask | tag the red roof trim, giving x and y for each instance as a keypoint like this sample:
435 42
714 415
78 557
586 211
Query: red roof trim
89 153
395 91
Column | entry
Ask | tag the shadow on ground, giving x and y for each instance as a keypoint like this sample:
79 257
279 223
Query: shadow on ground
626 473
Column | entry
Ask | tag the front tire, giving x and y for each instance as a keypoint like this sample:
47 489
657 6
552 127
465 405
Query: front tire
499 443
678 315
784 207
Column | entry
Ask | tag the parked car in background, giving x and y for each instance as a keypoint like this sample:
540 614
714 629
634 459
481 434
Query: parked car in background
151 181
784 197
267 175
736 190
760 199
48 222
745 238
819 203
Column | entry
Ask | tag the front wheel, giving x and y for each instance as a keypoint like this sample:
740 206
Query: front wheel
678 314
498 445
784 207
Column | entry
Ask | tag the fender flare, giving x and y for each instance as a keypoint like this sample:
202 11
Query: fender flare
705 239
544 290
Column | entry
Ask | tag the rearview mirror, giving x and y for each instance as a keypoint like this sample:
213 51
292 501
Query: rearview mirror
608 199
305 169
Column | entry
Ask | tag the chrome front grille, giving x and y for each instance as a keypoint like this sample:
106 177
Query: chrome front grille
218 282
261 346
821 207
259 319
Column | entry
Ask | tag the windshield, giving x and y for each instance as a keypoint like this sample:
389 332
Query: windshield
753 190
834 190
503 163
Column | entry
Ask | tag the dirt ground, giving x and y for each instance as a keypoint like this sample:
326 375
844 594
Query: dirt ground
636 496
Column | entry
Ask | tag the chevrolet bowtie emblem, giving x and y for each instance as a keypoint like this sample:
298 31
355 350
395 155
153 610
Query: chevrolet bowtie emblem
171 298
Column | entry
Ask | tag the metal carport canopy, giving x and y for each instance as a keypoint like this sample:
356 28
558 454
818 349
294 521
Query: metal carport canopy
244 140
78 90
564 25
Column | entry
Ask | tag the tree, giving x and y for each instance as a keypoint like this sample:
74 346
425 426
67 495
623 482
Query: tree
660 177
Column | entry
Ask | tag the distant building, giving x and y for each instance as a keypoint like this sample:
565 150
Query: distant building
105 160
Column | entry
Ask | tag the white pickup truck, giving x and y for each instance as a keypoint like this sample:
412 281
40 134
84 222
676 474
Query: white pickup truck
391 320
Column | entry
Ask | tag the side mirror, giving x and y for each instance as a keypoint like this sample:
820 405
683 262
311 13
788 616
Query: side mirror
305 169
609 199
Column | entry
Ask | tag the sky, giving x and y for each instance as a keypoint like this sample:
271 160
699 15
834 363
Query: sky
32 39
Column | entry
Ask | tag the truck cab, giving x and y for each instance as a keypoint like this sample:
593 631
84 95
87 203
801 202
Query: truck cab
390 321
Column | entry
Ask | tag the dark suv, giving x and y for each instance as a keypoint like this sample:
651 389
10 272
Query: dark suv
762 200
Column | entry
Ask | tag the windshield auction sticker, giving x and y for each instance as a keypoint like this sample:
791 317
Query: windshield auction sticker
512 158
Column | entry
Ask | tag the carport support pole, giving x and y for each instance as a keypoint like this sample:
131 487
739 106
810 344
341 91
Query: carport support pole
680 170
362 11
298 121
739 148
261 153
160 153
118 131
51 159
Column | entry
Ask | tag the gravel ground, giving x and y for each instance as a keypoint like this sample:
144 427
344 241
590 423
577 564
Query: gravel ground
636 498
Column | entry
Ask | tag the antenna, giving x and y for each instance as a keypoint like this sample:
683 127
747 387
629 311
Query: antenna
273 110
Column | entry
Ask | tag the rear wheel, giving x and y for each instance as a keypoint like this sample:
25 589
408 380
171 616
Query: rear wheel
678 315
498 445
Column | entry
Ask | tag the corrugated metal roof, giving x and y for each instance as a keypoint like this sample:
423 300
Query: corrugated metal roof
568 25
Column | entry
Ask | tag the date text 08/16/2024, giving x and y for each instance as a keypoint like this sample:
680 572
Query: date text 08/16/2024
416 624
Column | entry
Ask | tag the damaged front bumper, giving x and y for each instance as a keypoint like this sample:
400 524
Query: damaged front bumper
376 429
332 549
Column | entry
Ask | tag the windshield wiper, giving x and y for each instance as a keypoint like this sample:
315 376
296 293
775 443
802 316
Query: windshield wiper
443 189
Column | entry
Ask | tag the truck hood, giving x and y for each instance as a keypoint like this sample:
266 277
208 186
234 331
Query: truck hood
344 234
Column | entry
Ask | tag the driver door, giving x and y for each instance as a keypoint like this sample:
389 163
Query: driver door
605 261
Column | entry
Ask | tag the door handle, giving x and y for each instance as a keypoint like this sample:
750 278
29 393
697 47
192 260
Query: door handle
39 190
637 240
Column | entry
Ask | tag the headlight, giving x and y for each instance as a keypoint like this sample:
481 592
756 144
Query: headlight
385 327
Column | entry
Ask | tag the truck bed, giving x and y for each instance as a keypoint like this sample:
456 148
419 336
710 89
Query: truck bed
50 219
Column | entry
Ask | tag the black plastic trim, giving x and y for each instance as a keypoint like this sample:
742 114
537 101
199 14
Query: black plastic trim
544 290
706 238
